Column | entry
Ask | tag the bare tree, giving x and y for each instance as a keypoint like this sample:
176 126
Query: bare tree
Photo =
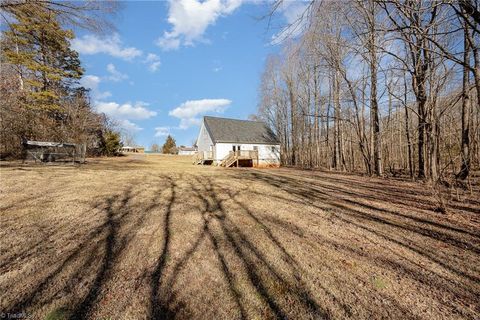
374 90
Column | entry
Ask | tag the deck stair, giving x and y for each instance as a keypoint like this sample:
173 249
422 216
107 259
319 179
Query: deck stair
234 157
228 160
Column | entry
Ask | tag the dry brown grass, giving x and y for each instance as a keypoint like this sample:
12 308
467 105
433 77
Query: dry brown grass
155 237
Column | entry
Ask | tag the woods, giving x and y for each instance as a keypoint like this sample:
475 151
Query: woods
380 87
41 96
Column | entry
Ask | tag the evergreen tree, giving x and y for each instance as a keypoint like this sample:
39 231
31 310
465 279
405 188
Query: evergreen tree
40 48
110 143
169 146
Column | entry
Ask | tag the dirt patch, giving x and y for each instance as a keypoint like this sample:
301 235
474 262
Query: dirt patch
157 237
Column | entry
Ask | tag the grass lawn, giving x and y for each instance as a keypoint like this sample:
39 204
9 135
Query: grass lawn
154 237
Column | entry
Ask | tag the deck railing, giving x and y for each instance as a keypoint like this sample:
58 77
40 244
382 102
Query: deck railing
233 156
246 154
202 156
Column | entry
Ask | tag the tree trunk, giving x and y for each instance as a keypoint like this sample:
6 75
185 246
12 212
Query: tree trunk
337 146
293 123
407 132
465 144
421 97
374 117
316 120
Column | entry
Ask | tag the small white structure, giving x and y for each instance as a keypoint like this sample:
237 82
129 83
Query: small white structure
232 142
186 151
128 149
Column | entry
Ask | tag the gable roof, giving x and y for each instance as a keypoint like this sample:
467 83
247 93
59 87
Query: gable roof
187 148
240 131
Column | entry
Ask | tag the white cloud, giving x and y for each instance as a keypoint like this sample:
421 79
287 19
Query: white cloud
128 126
217 69
91 44
121 114
92 82
188 122
191 18
167 42
191 108
153 62
162 131
115 75
125 111
188 111
102 95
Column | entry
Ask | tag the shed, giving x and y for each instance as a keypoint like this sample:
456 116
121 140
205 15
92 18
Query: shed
135 149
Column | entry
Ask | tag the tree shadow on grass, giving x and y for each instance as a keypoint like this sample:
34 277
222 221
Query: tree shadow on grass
337 196
157 308
93 258
271 285
246 245
111 250
279 286
396 228
94 236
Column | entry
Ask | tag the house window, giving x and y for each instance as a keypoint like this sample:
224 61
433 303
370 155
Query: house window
255 148
273 148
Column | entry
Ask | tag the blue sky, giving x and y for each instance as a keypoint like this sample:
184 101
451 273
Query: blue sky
170 63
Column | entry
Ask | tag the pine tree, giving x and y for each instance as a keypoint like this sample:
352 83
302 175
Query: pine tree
40 48
110 143
169 146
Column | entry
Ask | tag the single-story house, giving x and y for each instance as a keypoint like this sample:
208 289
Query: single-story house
136 149
186 151
233 142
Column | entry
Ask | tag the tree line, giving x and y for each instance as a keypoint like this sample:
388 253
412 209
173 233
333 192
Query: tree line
379 86
40 72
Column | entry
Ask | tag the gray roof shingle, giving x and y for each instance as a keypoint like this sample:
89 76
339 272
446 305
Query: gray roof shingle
239 131
187 148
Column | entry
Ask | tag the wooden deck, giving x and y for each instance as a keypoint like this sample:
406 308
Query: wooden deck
240 158
203 157
237 158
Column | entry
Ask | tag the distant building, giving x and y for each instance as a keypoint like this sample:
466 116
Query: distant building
232 142
137 149
186 151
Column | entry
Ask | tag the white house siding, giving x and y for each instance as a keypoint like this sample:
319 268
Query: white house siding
266 155
204 142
